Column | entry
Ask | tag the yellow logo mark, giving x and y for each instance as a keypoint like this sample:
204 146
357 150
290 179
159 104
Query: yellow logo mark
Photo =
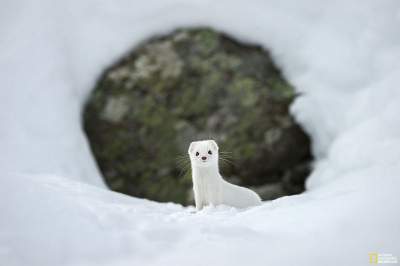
373 258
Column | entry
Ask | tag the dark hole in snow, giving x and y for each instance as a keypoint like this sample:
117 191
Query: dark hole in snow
195 84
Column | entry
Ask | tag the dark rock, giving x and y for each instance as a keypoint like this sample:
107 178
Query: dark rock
195 84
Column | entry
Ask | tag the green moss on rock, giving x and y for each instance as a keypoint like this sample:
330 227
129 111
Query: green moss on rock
195 84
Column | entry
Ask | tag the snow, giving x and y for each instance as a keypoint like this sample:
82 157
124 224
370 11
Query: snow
342 56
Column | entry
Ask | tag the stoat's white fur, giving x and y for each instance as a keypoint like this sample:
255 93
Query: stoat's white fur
209 186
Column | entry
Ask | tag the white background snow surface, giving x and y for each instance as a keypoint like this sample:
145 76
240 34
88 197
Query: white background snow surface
342 56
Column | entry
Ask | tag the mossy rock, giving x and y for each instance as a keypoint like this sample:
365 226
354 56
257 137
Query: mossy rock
195 84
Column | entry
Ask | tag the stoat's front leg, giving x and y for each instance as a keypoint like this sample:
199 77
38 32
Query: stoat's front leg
198 198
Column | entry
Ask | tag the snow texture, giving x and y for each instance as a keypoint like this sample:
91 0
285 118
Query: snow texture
342 56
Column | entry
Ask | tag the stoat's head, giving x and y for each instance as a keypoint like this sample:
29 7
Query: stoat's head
203 153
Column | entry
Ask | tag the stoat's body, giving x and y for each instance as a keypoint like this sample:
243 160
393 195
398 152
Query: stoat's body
209 186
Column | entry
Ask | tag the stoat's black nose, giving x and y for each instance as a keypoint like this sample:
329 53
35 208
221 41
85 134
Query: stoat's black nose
203 158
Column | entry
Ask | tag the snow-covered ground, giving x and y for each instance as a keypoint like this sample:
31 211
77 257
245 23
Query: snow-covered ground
343 56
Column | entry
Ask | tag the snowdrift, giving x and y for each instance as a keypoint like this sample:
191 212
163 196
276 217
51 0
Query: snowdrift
342 57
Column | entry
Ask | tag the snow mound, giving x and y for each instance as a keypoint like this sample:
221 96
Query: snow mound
342 56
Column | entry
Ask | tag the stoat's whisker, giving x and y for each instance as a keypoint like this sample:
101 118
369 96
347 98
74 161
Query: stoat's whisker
225 157
226 162
183 160
183 165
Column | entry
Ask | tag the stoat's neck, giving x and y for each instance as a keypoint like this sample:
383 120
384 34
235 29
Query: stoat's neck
206 172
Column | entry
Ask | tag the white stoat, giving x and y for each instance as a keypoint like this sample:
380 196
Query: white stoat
209 186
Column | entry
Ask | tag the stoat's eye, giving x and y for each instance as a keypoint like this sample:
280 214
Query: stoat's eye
209 152
197 153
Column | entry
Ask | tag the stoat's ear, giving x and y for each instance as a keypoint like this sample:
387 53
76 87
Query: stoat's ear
214 145
191 147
